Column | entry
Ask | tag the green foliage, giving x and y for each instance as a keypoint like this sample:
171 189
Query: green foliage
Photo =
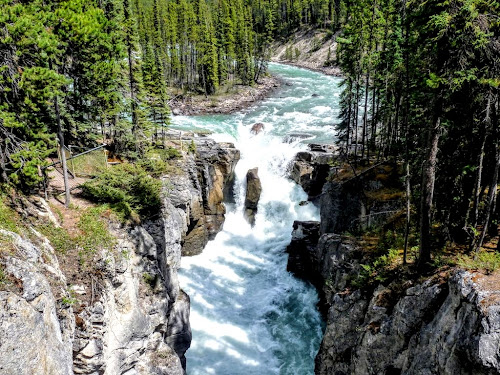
420 71
128 188
316 44
149 279
166 154
94 236
487 261
297 53
378 270
59 237
192 148
8 218
69 299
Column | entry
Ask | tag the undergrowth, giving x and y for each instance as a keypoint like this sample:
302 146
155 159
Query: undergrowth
8 218
379 270
3 276
486 261
92 235
129 189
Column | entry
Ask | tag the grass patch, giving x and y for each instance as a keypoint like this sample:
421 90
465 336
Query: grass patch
8 218
59 237
88 164
164 154
486 261
128 188
94 234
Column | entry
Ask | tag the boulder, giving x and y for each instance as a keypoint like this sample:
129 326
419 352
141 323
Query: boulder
257 128
253 191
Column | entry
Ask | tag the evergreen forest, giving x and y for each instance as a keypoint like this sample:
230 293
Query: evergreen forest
420 84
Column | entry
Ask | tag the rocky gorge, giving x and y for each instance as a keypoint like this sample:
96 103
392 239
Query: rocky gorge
444 323
130 316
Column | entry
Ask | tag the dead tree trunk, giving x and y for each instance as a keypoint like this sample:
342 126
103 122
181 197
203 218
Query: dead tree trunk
428 179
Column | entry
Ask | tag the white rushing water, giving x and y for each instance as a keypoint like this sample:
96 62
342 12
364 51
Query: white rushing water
248 314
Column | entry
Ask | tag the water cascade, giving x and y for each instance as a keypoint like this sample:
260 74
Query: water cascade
248 314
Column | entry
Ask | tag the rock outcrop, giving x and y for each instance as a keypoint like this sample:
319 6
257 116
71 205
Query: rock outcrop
35 331
443 325
310 169
198 187
131 317
447 323
366 200
252 195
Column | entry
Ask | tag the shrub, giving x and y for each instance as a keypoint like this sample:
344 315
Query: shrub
192 148
165 154
127 188
3 276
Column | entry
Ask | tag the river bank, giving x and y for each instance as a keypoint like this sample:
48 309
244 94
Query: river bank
235 99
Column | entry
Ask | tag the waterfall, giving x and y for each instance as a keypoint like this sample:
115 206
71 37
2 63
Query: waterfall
248 314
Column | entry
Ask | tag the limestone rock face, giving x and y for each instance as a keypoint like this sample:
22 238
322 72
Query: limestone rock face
131 317
302 260
363 201
434 328
201 183
252 196
439 326
35 333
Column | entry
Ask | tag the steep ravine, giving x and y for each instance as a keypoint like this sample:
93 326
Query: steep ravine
447 323
136 319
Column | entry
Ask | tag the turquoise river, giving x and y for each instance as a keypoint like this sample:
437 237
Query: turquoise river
249 316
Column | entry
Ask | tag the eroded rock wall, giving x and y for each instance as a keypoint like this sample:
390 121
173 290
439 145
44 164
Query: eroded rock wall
448 323
199 186
131 317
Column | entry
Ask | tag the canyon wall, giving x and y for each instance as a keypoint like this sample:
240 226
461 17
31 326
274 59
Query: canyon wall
130 315
447 322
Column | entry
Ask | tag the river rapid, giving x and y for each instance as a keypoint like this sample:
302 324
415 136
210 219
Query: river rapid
248 314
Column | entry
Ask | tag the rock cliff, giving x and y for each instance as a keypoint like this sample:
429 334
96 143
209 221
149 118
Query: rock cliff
130 316
198 188
445 323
